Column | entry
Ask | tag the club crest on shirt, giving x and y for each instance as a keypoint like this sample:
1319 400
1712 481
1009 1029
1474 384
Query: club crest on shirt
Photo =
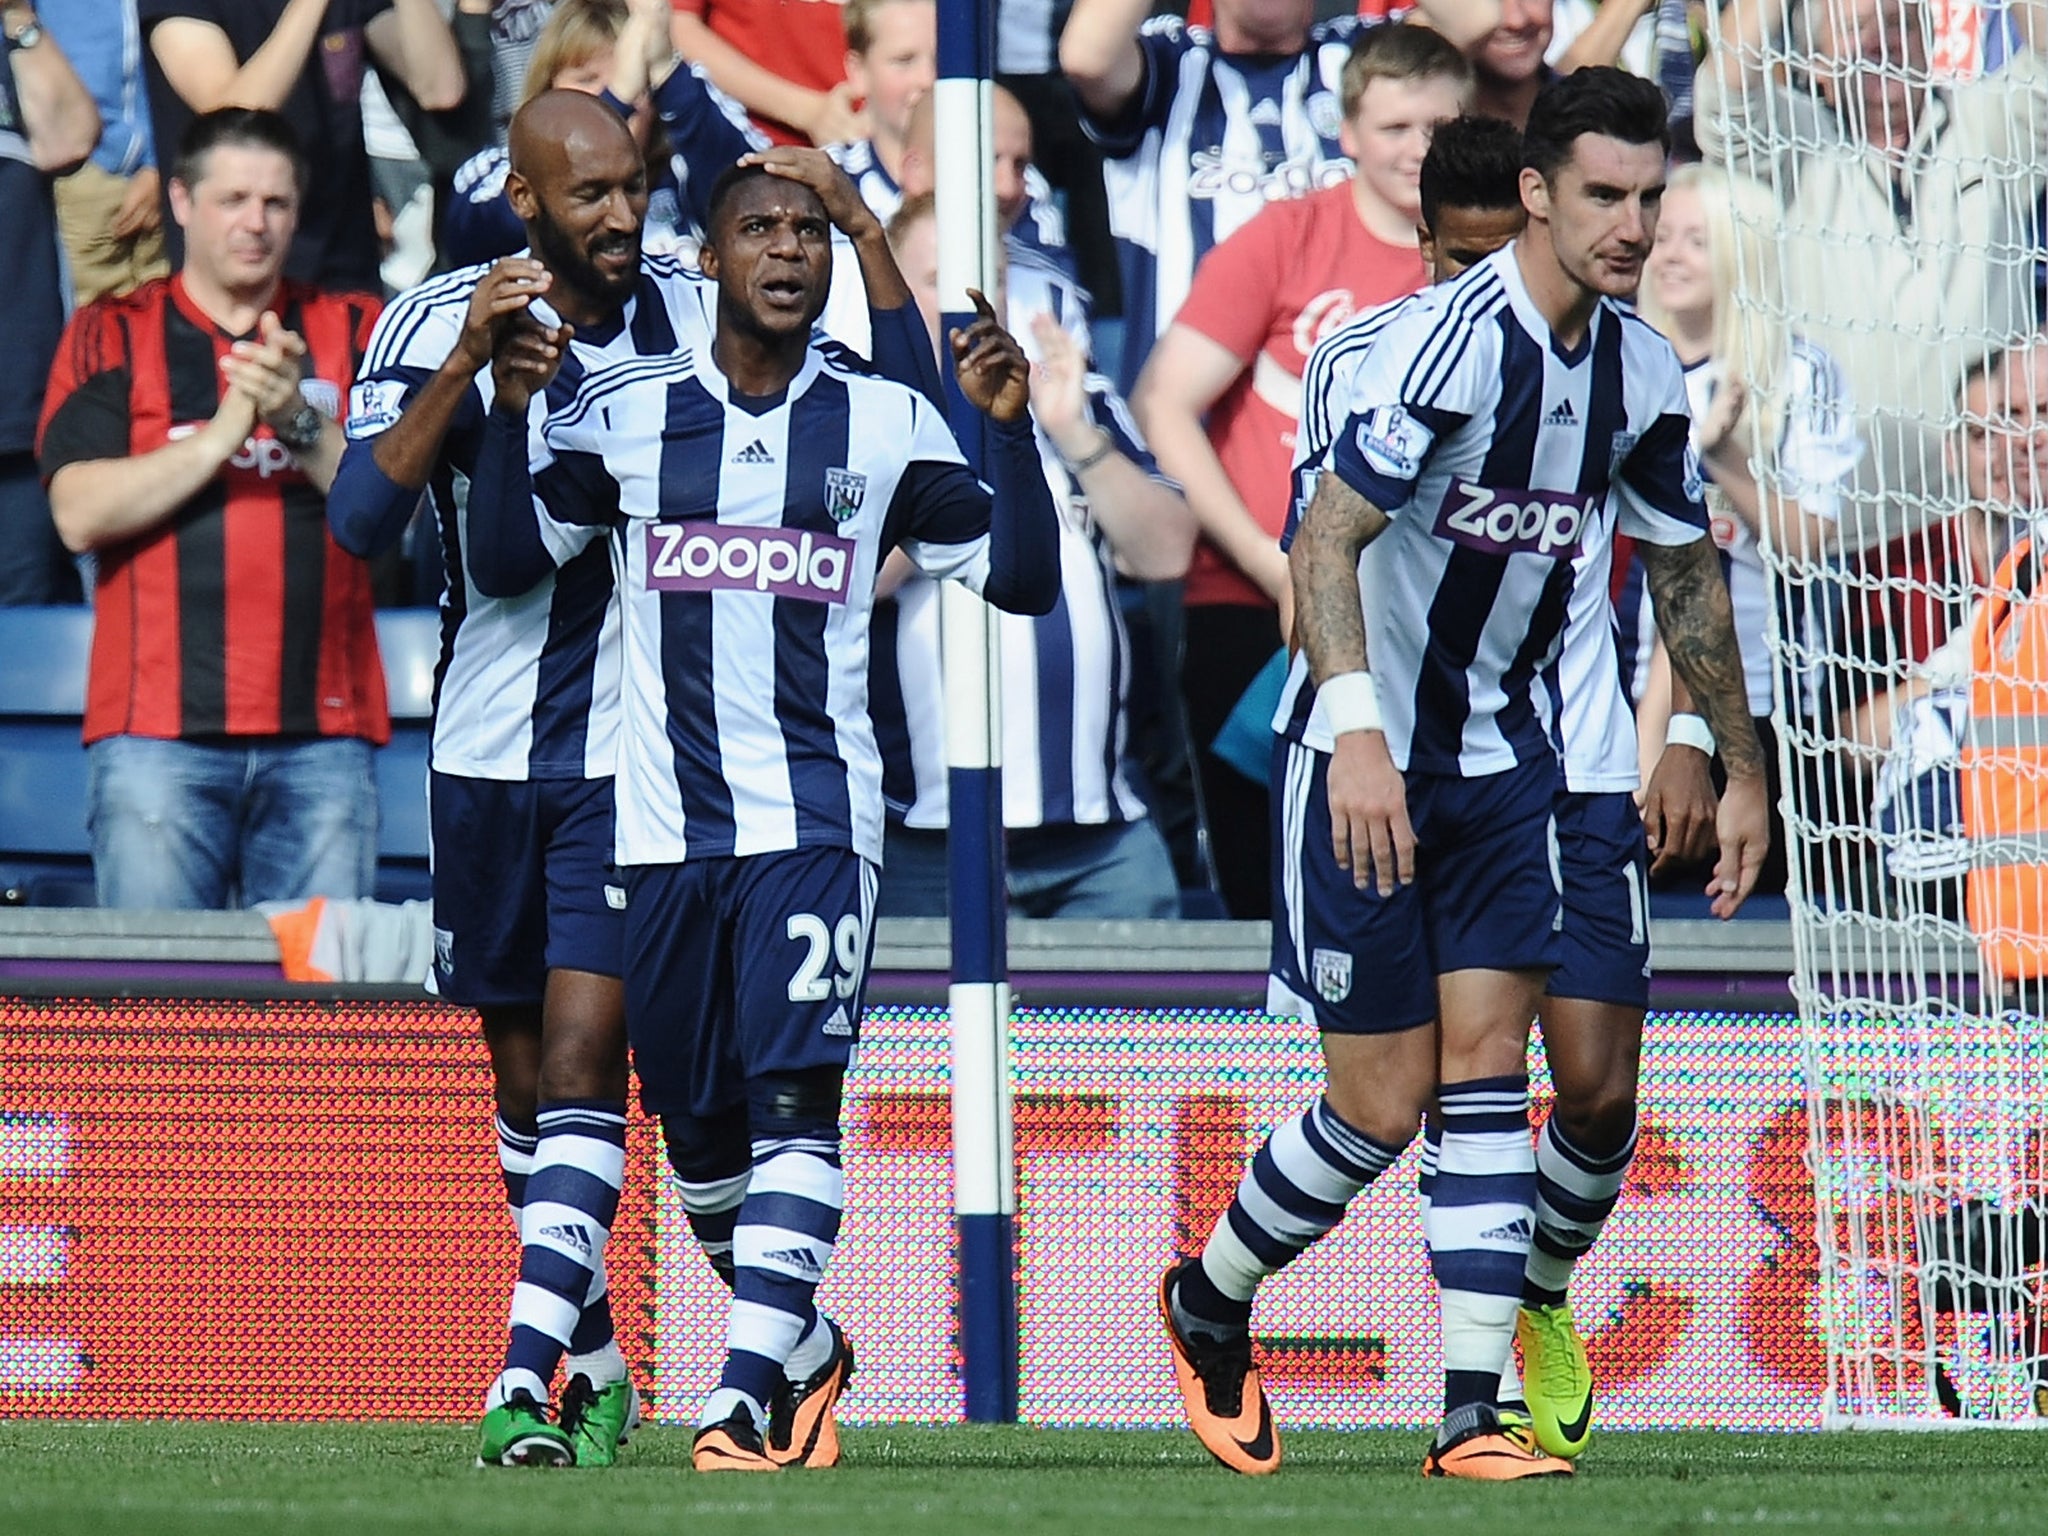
844 492
1695 485
1618 451
1332 968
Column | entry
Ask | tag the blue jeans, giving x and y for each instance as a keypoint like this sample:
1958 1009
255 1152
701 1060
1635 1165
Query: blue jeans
183 824
1119 870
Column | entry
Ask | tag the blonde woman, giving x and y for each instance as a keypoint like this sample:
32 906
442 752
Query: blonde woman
1773 424
618 50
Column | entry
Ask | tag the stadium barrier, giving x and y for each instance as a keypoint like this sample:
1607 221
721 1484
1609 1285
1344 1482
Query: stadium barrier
221 1195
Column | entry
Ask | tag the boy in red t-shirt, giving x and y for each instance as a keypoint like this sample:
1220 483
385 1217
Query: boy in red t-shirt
1220 392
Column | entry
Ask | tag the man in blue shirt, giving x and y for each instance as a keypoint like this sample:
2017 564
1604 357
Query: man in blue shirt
109 210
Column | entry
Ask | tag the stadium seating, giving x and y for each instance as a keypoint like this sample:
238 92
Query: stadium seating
45 854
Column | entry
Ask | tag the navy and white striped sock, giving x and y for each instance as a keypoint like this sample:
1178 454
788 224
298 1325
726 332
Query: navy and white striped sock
1295 1190
1425 1169
788 1226
515 1164
712 1208
1575 1194
1479 1222
572 1197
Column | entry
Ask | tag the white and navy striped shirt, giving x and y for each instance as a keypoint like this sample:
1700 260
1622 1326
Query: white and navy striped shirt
1066 676
527 687
1040 224
1597 723
1505 464
752 530
1209 140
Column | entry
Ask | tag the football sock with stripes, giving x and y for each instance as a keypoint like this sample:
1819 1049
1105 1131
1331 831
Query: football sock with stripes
1294 1191
1479 1221
515 1164
711 1204
782 1245
572 1198
712 1207
1575 1194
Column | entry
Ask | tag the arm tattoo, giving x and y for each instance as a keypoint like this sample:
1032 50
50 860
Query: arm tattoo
1323 565
1698 625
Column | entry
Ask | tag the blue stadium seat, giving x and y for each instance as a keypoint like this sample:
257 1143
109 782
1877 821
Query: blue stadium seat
410 641
45 854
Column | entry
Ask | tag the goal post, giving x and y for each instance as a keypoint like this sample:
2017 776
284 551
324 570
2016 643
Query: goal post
1888 163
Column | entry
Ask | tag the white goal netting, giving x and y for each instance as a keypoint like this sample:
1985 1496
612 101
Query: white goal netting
1886 217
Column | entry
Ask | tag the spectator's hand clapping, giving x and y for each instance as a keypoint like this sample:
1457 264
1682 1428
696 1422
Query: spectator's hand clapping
994 374
500 299
268 370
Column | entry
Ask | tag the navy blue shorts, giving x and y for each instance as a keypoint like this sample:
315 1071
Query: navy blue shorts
744 966
1606 867
1485 896
523 885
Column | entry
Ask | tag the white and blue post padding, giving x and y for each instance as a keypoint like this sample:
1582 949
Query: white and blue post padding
984 1159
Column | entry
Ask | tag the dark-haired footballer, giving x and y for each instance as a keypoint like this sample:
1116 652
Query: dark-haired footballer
1493 438
1594 1003
527 903
752 483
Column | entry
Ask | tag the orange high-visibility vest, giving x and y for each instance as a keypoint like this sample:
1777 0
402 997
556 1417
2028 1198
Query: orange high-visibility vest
2005 770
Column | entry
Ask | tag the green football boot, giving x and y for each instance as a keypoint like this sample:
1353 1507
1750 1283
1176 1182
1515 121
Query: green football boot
600 1420
517 1433
1557 1380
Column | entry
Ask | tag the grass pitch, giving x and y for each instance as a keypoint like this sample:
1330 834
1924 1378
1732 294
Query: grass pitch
59 1478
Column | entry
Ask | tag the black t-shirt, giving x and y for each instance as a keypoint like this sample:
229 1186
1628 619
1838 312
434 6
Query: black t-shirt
337 240
35 290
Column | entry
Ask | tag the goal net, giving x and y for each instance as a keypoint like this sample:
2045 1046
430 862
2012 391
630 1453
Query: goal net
1890 158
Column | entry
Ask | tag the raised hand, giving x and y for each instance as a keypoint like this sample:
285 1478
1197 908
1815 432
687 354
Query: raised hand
815 169
994 374
1059 388
501 297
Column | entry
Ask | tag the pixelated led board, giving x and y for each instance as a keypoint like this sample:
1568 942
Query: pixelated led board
224 1209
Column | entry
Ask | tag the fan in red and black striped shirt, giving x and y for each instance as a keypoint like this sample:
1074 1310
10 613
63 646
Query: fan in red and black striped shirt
188 440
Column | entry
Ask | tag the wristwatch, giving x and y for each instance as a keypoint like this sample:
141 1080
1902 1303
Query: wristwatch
27 37
302 429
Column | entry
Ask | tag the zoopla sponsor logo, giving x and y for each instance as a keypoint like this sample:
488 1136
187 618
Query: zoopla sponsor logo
712 557
1504 521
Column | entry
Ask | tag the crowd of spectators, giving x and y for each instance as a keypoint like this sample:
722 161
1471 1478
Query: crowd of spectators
1190 198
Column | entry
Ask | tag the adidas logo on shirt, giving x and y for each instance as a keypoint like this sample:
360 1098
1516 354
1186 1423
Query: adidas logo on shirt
755 452
1520 1230
569 1234
1562 415
802 1260
838 1024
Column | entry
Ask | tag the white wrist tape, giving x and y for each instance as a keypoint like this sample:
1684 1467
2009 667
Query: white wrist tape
1350 702
1689 731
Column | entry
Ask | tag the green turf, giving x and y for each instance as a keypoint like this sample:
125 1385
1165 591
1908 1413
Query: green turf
59 1478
